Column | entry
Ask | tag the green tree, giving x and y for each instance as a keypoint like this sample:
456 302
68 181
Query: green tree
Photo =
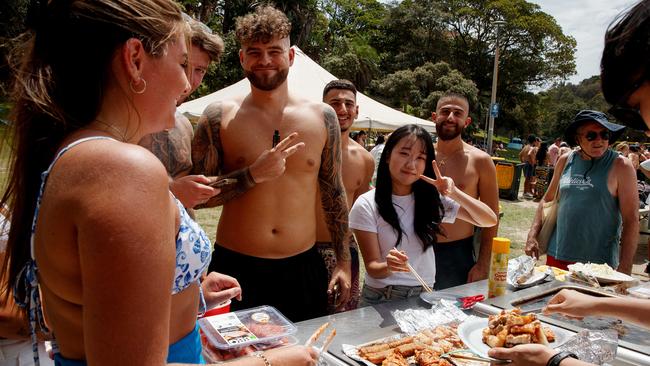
420 88
534 51
412 33
12 13
350 27
353 59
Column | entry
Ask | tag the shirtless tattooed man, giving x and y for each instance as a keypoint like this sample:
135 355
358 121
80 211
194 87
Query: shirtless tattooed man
267 229
174 146
474 173
358 166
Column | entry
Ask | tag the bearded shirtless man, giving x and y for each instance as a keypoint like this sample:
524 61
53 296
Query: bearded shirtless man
266 234
358 167
474 173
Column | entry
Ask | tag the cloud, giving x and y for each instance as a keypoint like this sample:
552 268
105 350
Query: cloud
586 21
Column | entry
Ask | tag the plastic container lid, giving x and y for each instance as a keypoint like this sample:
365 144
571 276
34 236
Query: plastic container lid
241 328
500 245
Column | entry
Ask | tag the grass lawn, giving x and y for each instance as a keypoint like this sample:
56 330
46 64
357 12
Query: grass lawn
209 218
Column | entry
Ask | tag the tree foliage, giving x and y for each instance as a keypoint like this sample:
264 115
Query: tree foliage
421 87
408 52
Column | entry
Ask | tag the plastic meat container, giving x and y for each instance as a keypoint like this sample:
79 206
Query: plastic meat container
236 334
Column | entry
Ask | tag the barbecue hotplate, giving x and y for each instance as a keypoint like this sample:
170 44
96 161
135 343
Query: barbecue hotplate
532 300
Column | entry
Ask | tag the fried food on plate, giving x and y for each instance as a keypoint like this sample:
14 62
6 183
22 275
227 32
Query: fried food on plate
510 328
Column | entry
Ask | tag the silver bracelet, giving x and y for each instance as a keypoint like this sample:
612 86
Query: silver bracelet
263 357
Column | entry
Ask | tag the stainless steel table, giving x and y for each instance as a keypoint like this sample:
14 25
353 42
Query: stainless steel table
372 322
375 322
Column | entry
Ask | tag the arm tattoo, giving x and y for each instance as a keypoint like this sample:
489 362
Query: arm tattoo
331 186
172 148
207 155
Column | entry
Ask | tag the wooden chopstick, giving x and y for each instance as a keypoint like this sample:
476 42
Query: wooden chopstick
316 334
472 358
420 279
328 341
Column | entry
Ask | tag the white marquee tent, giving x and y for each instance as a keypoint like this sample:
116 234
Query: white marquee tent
308 78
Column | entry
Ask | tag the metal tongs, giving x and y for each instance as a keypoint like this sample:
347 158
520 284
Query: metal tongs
314 337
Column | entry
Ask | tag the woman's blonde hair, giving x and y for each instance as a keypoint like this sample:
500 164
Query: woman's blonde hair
60 80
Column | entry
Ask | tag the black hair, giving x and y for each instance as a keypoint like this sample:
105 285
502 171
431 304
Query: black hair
626 53
428 209
340 84
541 153
531 139
453 95
380 139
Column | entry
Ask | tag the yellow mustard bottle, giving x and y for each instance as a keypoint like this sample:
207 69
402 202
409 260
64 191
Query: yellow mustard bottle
498 267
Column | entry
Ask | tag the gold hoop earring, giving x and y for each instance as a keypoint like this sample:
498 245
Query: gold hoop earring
144 87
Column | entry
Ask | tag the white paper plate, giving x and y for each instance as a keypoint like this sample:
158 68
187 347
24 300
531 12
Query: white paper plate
534 279
603 278
471 333
614 278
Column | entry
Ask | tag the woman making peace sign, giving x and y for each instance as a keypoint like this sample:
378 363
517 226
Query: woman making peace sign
398 221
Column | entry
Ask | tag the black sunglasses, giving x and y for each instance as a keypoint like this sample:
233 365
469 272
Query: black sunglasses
626 115
592 135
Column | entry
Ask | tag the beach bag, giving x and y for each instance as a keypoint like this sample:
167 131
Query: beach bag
549 217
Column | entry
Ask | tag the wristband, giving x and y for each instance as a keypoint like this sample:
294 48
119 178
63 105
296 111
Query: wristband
558 357
263 357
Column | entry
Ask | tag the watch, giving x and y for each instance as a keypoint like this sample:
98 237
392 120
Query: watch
558 357
260 354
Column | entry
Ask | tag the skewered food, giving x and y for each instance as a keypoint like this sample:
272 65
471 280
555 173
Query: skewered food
427 346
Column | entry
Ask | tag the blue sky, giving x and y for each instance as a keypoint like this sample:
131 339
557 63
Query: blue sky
586 21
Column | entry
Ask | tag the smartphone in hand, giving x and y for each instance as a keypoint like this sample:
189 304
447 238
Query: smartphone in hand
219 183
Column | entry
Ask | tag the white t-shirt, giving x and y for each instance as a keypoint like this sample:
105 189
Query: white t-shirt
365 216
553 154
376 154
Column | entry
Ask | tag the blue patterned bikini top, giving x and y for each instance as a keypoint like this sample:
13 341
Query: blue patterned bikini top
193 254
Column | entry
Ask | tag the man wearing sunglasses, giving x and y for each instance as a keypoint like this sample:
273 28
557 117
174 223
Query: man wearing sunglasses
598 217
625 72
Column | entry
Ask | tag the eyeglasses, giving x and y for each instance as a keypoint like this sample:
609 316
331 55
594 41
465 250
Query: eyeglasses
627 115
592 135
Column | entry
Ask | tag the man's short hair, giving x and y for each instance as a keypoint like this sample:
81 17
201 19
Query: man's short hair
626 53
203 38
263 25
452 95
340 84
531 139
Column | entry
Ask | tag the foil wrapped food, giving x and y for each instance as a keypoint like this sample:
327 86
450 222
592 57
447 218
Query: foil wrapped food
521 272
414 320
597 347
